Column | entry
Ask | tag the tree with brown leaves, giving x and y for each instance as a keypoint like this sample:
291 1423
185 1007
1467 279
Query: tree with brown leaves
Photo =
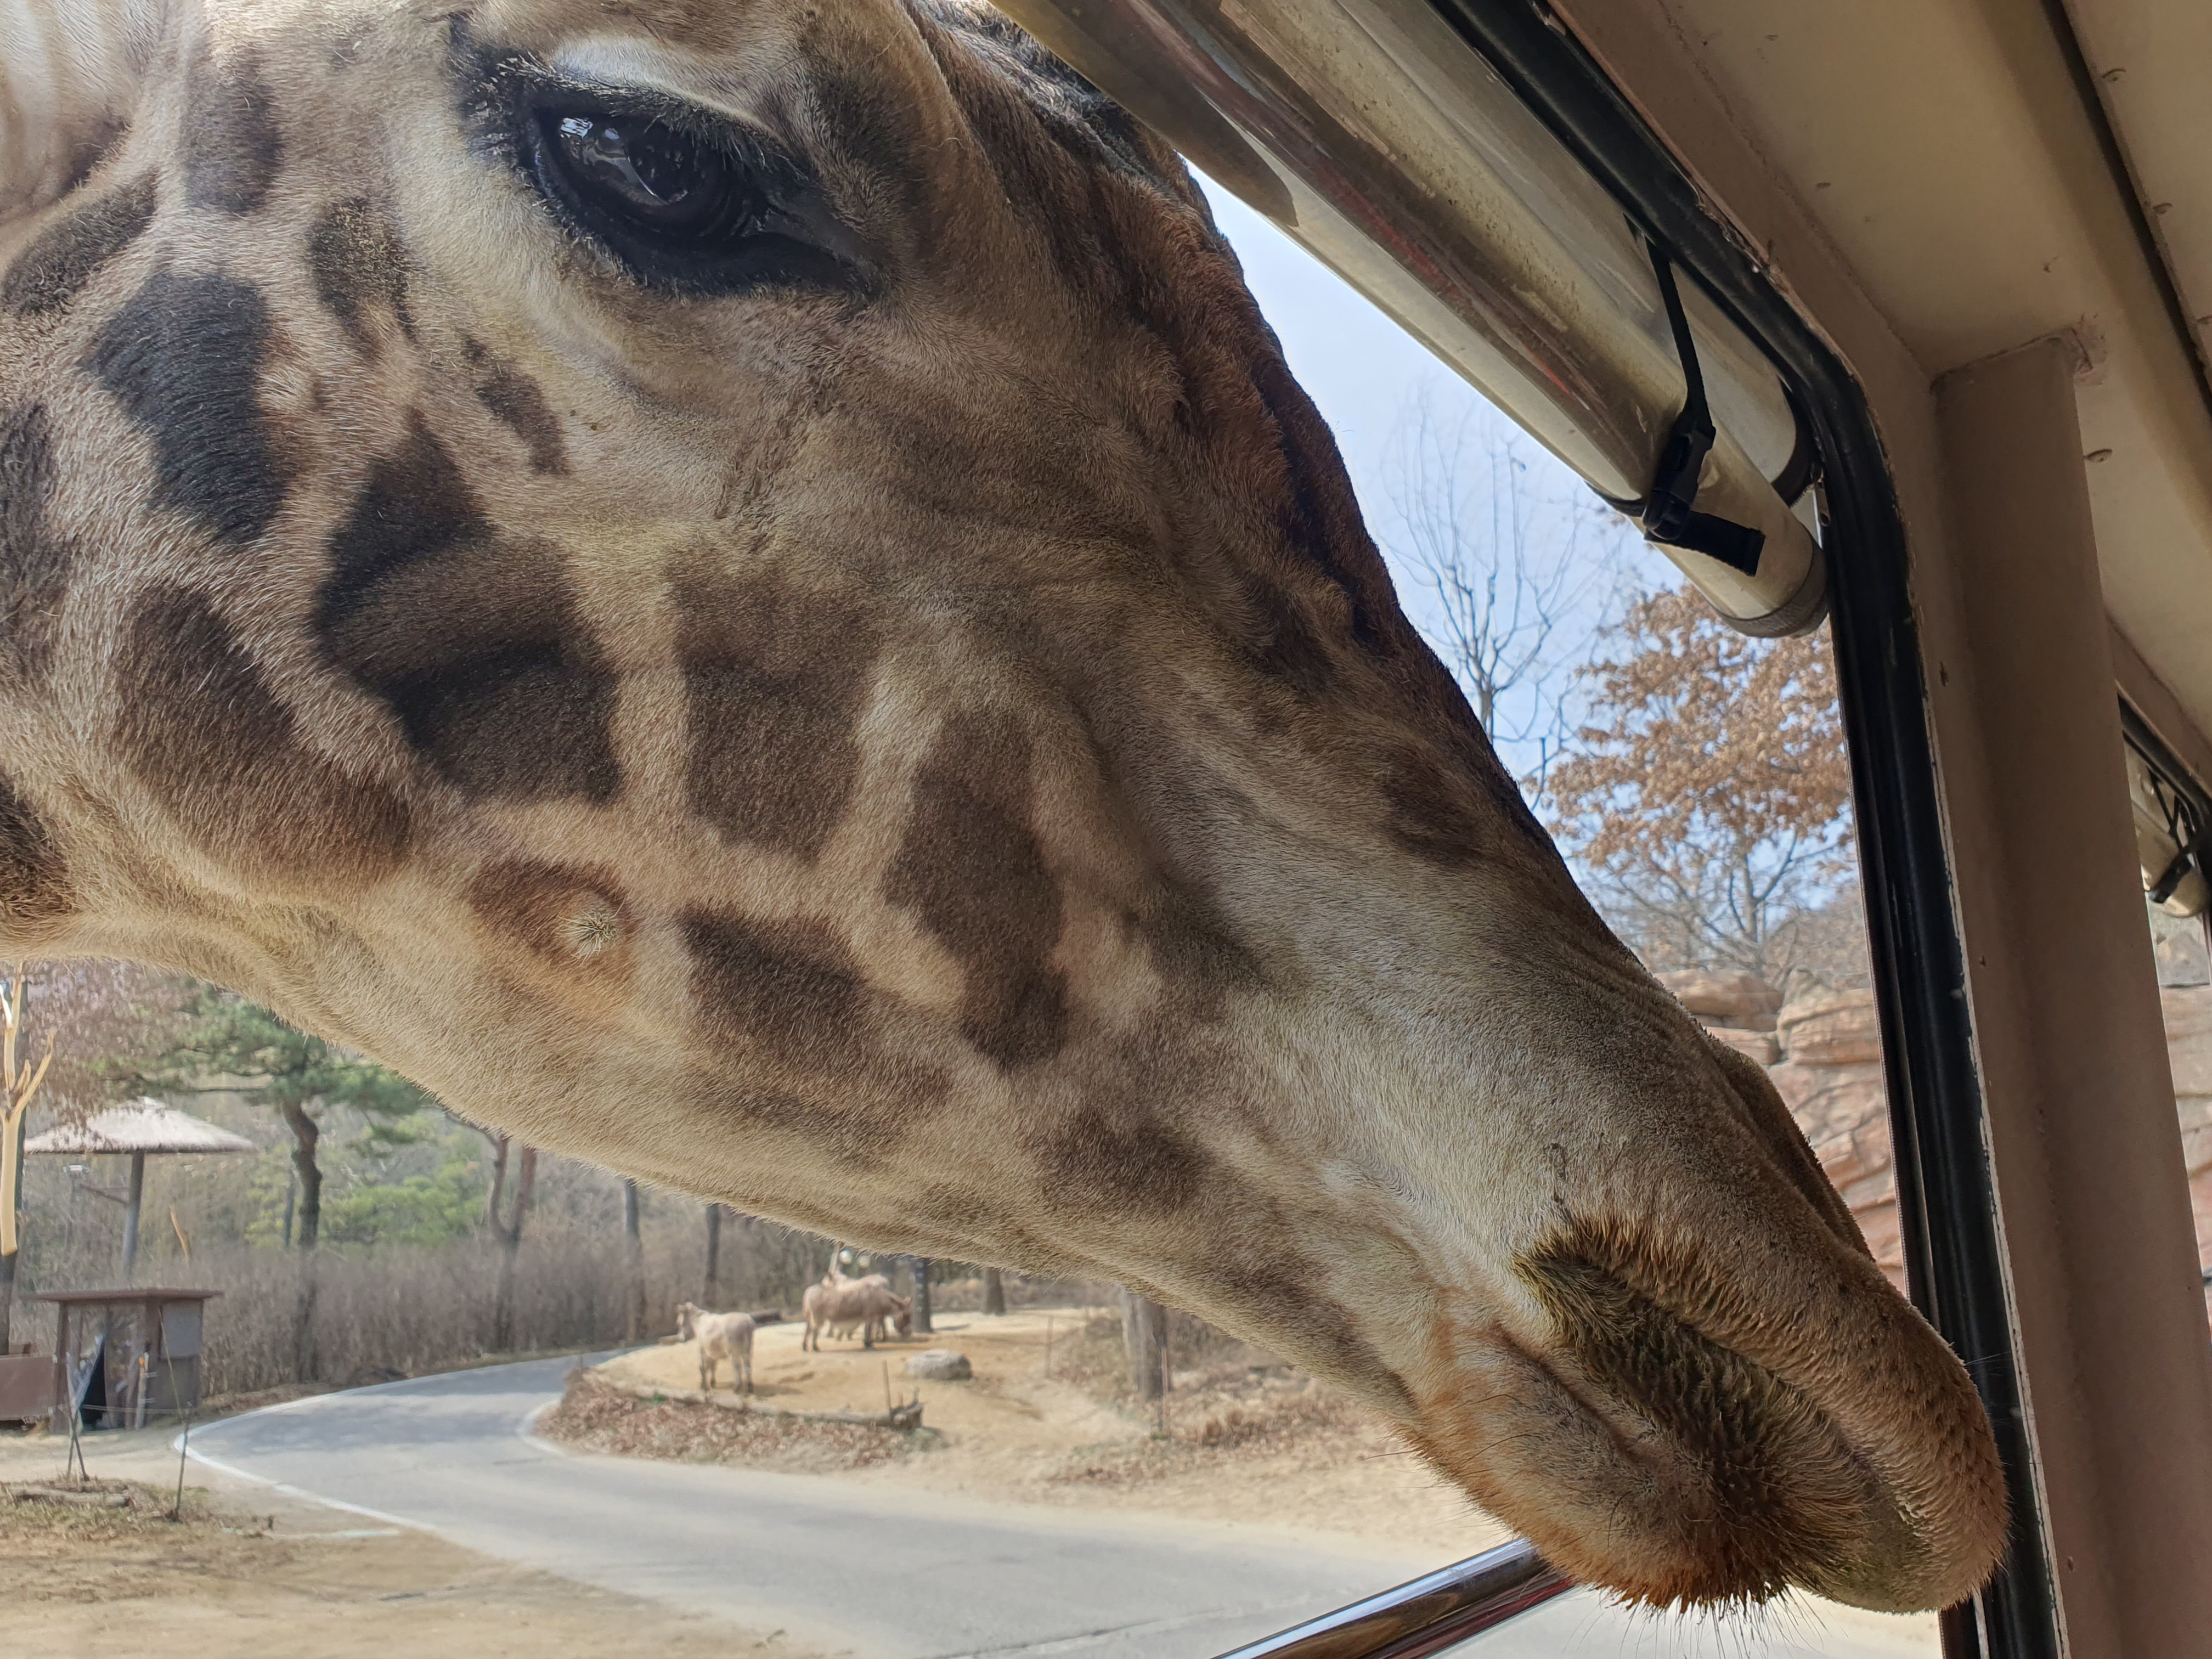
1709 794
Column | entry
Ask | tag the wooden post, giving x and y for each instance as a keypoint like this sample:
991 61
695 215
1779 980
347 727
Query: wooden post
995 1290
131 1217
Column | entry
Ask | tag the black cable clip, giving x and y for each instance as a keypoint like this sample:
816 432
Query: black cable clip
1669 513
2193 839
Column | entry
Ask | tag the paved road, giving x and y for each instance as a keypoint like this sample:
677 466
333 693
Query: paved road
948 1578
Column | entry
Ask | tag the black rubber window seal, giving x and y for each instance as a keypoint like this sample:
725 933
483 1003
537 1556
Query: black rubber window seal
1953 1252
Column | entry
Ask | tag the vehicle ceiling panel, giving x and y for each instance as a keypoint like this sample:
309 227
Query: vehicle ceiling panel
1945 149
2153 61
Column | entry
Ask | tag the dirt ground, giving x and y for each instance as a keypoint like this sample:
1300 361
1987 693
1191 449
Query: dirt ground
1037 1425
249 1571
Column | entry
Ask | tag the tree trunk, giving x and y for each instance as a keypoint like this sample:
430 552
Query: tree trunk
508 1229
131 1206
1144 1334
921 1325
713 1292
995 1290
18 1082
634 1255
306 1362
306 1132
502 1304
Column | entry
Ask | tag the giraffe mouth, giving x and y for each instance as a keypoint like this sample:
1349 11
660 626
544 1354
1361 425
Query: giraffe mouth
1641 1452
1762 1486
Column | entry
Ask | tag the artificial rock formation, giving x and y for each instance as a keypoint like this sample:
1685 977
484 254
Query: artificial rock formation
1824 1052
1739 1008
1830 1073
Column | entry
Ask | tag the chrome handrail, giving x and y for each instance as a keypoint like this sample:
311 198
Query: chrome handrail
1425 1616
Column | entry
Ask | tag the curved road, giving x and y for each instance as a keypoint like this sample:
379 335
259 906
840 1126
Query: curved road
945 1577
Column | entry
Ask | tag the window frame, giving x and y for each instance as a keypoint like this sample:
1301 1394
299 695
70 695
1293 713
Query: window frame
1954 1247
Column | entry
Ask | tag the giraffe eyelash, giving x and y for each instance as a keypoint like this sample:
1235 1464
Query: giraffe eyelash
674 197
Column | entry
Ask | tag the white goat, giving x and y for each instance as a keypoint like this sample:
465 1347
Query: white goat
720 1336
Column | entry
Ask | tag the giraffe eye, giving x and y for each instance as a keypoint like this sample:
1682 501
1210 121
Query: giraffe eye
682 200
659 182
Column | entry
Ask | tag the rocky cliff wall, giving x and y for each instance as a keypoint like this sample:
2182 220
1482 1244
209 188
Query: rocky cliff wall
1824 1054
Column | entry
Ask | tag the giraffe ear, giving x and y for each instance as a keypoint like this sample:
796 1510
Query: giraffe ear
71 72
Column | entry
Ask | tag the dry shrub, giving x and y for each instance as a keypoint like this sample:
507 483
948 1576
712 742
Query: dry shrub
381 1313
965 1295
1220 1413
1091 1357
1269 1421
603 1419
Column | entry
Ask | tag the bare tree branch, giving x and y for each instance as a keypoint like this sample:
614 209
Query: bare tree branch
1509 564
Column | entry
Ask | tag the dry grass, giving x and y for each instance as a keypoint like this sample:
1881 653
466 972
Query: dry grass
380 1314
44 1541
599 1418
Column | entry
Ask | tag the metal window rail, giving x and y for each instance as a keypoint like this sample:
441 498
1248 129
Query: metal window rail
1425 1616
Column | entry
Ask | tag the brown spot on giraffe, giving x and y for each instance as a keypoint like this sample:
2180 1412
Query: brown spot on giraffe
34 557
68 253
1430 811
775 679
233 144
184 357
360 268
972 867
789 988
1117 1155
473 641
200 727
34 878
516 401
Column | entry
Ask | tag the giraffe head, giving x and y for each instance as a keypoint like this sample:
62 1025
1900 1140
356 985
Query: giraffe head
738 587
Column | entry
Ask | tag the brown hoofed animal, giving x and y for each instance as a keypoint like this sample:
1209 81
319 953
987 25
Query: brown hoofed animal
738 587
720 1336
866 1305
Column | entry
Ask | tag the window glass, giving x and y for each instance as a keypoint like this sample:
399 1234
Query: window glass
1697 781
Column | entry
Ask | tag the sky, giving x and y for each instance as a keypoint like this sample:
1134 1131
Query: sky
1366 373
